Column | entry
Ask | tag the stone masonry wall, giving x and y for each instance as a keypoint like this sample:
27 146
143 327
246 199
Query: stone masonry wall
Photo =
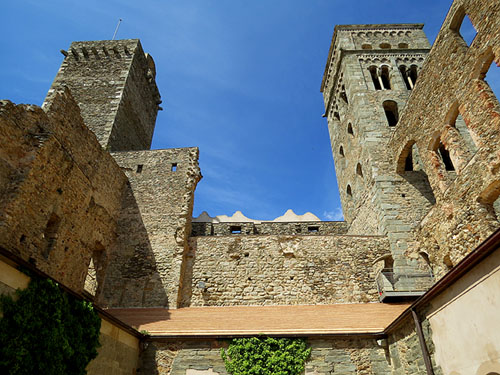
279 270
154 226
269 228
113 82
60 192
451 87
340 356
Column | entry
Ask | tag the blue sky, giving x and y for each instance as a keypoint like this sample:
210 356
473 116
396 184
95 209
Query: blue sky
238 79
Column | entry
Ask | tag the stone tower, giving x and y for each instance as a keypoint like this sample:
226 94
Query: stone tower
369 76
113 82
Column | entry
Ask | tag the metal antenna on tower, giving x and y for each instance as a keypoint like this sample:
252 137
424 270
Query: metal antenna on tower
117 27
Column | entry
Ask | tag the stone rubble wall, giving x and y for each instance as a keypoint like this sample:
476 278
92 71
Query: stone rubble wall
60 191
153 228
451 84
340 356
281 270
270 228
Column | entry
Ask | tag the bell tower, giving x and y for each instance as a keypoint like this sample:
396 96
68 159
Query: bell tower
369 76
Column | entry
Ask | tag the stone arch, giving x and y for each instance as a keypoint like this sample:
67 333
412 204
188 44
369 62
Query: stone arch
374 75
457 21
402 166
96 270
388 261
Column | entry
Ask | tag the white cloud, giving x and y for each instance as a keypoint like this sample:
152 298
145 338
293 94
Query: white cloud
335 215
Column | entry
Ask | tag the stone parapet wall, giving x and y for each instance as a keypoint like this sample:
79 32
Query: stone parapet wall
280 270
154 226
269 228
60 191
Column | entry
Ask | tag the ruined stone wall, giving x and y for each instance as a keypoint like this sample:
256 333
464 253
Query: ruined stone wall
153 228
309 228
113 82
60 192
340 356
280 270
451 87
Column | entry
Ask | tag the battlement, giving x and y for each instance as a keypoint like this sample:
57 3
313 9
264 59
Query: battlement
113 82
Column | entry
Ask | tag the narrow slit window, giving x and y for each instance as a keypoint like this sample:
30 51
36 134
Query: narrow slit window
349 129
341 151
349 190
139 168
359 170
343 95
391 112
173 168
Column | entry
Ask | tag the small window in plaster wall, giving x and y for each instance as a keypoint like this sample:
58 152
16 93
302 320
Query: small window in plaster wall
366 46
359 170
349 129
349 190
384 74
139 168
341 151
445 157
235 229
313 229
385 45
403 45
391 112
374 75
173 168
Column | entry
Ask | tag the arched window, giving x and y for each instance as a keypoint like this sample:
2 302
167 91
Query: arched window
359 170
404 74
391 112
385 45
445 157
349 129
384 74
373 73
463 26
412 75
366 46
341 151
348 190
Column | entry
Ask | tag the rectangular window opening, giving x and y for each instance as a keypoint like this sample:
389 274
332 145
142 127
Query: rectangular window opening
174 167
139 168
235 229
313 229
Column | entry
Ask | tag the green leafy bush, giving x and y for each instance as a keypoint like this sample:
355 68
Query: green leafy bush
46 331
266 356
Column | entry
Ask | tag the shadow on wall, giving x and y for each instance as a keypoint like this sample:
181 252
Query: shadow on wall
132 279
